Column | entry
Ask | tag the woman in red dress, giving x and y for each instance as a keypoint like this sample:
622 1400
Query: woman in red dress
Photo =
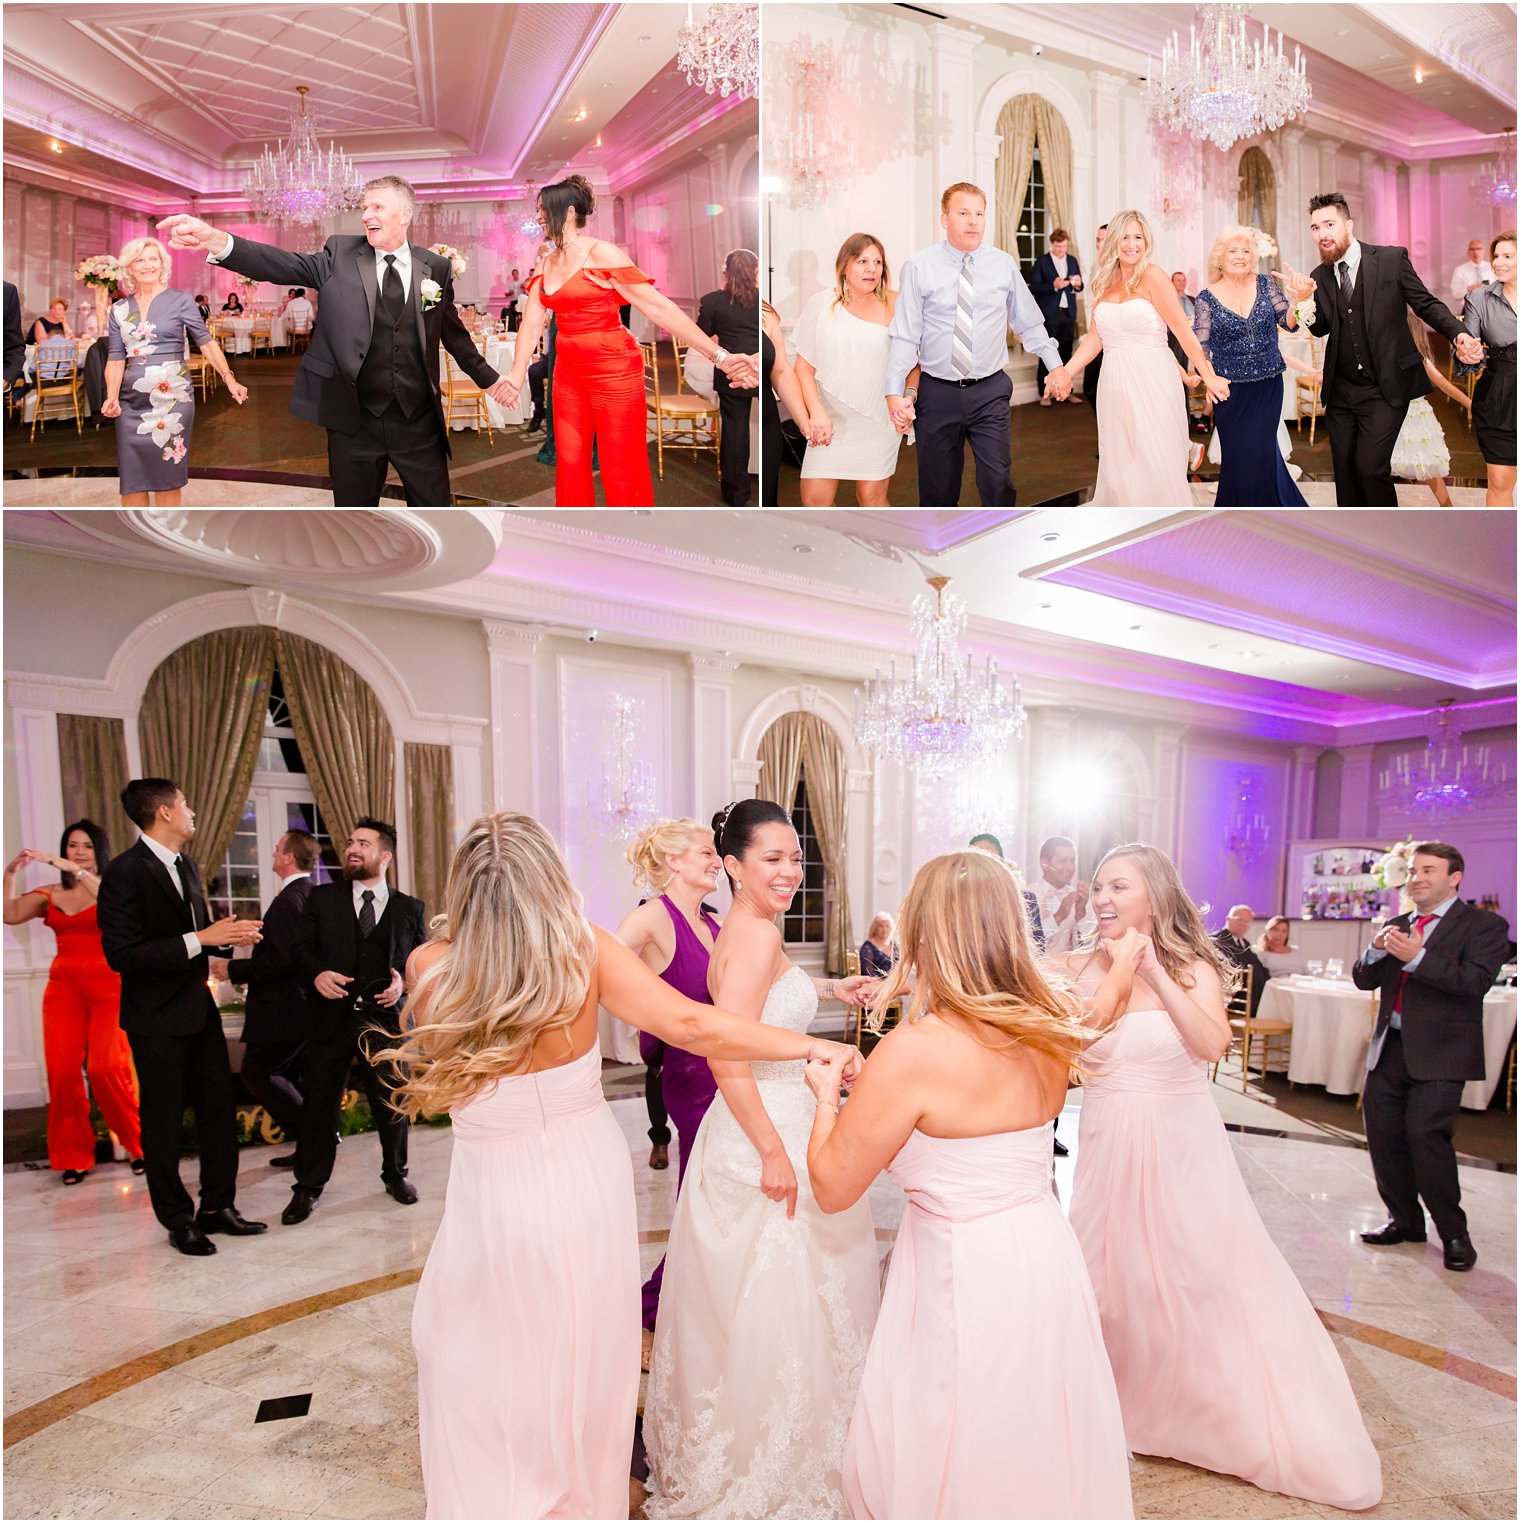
81 1006
598 370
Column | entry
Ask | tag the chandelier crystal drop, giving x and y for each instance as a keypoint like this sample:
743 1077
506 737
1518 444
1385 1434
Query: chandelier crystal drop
1496 179
300 183
721 53
948 714
815 153
625 802
1224 85
1449 776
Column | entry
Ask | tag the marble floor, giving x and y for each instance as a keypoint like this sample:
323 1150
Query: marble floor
133 1376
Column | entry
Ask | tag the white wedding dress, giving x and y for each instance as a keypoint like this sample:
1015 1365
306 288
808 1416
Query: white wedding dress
764 1322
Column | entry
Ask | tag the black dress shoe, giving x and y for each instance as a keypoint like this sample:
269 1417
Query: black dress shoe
536 424
659 1156
139 1166
1460 1253
403 1190
287 1162
229 1220
1391 1232
1061 1149
189 1238
302 1204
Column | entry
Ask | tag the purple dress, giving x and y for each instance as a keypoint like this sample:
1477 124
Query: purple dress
687 1083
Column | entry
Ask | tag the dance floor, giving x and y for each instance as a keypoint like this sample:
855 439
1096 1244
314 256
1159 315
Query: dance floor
134 1376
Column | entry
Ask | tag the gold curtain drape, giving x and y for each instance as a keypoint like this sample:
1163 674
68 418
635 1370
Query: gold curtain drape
430 800
201 721
1054 142
1257 179
1015 159
93 755
345 739
801 742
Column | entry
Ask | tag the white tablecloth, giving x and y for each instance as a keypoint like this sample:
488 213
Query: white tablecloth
238 333
501 350
1332 1026
1298 344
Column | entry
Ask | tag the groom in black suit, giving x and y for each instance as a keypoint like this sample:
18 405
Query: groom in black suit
370 373
1372 369
156 930
1432 968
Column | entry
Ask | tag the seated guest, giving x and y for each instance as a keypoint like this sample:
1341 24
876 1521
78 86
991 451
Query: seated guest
511 301
1232 942
538 373
1273 949
299 312
56 324
203 305
1055 282
1477 271
876 952
233 304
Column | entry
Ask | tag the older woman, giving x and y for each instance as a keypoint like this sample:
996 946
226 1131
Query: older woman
1489 314
876 954
155 416
1236 318
1273 948
55 324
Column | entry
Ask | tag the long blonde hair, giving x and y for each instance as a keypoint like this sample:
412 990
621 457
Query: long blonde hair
1108 255
653 844
967 947
517 968
1178 933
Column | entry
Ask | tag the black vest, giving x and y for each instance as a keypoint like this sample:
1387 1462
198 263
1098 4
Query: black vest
1352 349
372 966
393 369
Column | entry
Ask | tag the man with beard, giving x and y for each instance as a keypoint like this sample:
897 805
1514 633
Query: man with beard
1066 916
354 939
1372 369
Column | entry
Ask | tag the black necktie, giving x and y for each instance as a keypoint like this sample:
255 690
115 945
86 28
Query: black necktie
1345 270
184 888
367 914
391 294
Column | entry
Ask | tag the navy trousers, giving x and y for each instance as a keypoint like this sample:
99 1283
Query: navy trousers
948 418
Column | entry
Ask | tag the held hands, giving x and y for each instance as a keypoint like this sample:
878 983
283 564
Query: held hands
230 932
110 408
858 989
393 993
820 429
331 985
1058 383
1299 287
1469 349
219 969
1217 387
508 389
742 369
826 1079
823 1052
187 232
239 394
902 413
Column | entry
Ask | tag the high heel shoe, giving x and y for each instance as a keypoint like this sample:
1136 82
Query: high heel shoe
75 1176
138 1166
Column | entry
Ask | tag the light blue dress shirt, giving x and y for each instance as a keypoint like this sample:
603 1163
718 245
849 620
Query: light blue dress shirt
923 326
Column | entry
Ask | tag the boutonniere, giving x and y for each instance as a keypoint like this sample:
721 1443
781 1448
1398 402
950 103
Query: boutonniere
432 293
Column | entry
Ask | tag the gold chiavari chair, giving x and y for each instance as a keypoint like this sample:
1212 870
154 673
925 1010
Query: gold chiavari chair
681 420
463 398
56 368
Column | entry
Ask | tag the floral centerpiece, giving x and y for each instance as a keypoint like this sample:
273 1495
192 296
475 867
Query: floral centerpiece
1392 870
457 260
104 272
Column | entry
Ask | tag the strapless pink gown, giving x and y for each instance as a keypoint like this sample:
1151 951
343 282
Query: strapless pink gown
1220 1359
987 1393
527 1318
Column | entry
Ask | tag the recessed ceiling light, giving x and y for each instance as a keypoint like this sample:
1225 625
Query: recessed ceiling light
1046 605
55 145
1384 57
802 549
1345 31
642 512
1137 626
645 37
1050 539
1213 647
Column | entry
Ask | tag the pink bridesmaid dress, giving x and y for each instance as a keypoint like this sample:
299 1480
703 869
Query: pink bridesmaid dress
1220 1359
987 1392
526 1325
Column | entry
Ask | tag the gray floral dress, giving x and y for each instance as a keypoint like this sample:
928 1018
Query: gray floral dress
157 395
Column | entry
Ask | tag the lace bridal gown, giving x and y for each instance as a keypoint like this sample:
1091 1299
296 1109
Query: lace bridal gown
764 1322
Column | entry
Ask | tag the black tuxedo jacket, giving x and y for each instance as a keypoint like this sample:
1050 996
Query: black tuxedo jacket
328 937
143 920
1441 1018
1042 285
326 389
15 338
1245 957
276 1009
1386 285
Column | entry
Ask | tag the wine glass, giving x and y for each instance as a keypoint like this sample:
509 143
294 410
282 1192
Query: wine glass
1335 967
1316 967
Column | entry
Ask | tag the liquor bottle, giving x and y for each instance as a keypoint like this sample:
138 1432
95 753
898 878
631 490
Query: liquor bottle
1319 865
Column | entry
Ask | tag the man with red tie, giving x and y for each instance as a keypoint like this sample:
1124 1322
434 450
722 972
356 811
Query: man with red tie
1432 968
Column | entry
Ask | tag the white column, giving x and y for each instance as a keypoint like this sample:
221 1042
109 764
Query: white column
1293 200
514 715
1329 166
1357 815
469 786
1421 222
988 146
1370 219
1166 770
1109 191
858 853
712 741
953 98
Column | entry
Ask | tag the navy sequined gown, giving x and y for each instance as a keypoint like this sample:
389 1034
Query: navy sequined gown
1252 471
157 396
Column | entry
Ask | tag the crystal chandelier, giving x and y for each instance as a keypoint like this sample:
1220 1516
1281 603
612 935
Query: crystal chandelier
1225 86
301 183
947 715
1496 179
721 53
1449 776
815 154
625 802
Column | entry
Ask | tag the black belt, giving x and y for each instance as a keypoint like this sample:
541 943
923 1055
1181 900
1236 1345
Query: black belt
966 381
1502 352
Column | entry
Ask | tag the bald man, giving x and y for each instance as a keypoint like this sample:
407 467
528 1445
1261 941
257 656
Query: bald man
1232 942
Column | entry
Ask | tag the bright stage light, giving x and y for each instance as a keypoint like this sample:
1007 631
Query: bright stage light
1077 788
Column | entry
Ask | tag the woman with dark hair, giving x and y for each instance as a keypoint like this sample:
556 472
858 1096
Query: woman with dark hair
768 1303
233 304
732 316
81 1005
598 368
1489 314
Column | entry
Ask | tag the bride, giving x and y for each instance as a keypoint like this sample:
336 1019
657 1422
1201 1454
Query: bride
768 1304
1143 444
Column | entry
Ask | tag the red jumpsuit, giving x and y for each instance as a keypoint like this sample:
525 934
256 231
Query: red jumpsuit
598 391
81 1028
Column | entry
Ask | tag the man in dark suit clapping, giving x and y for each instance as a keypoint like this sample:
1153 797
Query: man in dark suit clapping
1432 968
1055 282
276 1020
156 930
351 948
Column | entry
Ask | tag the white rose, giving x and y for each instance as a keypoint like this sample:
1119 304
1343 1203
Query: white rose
1396 871
431 290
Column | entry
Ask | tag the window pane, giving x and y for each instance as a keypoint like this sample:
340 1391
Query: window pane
803 923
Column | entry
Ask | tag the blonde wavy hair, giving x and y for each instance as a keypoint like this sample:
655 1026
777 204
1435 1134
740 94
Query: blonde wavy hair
1108 255
132 250
1214 264
967 948
656 842
1178 933
517 968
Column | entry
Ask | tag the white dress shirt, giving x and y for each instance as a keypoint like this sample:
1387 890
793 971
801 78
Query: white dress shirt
1470 274
1061 268
1352 259
1064 935
403 263
382 897
1373 953
193 947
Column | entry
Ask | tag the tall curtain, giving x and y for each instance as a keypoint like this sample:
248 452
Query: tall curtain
93 753
345 738
1054 142
1257 180
781 761
1015 160
201 722
430 800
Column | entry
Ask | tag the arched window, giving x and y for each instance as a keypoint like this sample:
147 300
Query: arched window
1256 199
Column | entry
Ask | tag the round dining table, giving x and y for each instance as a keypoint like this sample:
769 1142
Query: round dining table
1332 1024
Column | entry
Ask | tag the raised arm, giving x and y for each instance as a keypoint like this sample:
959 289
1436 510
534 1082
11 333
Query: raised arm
30 904
261 260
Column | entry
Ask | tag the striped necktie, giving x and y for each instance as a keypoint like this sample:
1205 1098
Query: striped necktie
960 349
